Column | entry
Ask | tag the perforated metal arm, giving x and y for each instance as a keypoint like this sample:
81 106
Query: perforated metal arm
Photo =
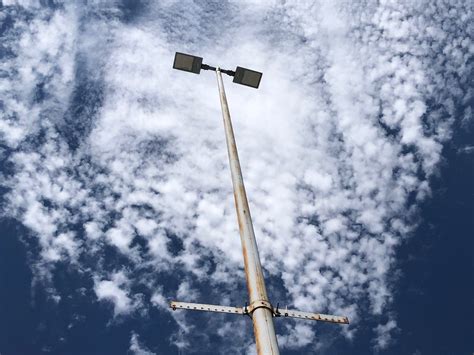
312 316
247 311
206 307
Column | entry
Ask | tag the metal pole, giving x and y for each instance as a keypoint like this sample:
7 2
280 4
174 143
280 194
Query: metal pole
260 307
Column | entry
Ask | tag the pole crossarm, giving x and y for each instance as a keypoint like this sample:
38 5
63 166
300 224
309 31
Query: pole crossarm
248 310
313 316
207 307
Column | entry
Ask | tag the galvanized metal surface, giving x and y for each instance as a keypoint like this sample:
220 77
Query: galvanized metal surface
262 317
207 307
312 316
251 308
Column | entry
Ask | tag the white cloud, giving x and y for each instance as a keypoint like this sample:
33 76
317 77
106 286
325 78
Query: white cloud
116 291
120 236
298 336
136 347
42 65
384 334
159 300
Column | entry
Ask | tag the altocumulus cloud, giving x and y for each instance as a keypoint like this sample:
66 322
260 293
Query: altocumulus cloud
116 157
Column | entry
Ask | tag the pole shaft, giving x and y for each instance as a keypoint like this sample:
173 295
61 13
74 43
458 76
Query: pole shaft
262 318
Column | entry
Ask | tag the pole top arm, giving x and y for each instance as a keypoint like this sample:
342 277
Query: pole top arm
225 71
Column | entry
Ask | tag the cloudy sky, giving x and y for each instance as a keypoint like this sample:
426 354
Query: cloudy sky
357 154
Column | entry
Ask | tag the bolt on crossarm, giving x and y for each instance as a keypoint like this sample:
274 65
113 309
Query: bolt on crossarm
262 315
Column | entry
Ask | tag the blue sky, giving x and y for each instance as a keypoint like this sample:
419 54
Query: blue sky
356 151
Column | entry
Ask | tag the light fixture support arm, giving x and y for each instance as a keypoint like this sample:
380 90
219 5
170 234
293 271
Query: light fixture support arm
225 71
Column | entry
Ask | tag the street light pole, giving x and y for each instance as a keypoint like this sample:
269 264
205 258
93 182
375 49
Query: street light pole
260 306
260 309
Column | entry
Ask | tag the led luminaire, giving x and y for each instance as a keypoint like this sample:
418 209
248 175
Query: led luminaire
247 77
187 62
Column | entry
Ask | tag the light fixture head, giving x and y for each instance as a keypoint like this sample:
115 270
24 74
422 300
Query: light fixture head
247 77
187 62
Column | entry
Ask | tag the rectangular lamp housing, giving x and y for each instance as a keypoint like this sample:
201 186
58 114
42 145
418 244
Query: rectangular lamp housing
187 62
247 77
